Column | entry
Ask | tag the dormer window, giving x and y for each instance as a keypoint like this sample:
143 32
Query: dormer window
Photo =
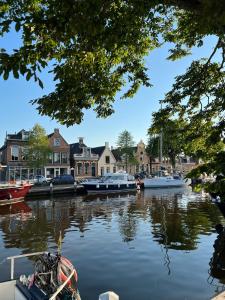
57 142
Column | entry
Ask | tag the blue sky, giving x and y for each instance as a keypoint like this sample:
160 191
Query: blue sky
133 114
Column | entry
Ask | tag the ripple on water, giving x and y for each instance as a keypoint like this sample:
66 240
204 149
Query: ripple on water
153 245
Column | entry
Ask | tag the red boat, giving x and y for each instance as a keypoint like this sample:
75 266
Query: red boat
11 192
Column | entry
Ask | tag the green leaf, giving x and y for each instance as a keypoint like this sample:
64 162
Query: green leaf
6 75
28 75
40 83
17 26
15 73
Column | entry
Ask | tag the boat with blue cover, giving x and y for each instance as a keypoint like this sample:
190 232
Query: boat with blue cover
110 182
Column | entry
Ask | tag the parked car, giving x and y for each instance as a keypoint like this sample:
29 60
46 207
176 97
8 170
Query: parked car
39 179
63 179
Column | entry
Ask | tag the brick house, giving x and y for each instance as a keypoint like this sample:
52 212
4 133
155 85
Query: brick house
58 163
83 160
13 156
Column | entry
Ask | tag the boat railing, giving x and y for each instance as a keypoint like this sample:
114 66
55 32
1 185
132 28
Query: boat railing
12 259
61 287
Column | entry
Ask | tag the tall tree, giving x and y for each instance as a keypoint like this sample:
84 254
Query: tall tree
38 149
173 141
152 148
126 143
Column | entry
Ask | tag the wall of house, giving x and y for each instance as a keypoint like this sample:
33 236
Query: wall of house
105 167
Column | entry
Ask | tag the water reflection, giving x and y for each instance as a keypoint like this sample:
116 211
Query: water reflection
141 236
217 262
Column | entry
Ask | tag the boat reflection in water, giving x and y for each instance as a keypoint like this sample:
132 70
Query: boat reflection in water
15 208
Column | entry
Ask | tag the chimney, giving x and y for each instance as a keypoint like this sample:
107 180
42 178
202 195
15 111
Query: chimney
107 145
81 140
56 130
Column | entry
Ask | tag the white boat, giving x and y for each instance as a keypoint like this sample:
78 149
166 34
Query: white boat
111 182
163 182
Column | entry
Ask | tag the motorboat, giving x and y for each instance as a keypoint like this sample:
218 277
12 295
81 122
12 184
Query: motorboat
110 182
163 182
12 193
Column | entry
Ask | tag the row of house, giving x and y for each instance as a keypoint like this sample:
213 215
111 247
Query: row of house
77 159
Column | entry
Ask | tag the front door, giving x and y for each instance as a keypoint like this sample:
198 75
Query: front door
93 170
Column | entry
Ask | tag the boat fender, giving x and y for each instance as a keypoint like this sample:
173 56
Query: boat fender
97 186
65 268
107 186
118 186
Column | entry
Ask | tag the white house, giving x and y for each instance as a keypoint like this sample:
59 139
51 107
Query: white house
107 161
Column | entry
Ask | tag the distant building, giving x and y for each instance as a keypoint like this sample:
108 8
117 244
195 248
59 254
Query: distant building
59 159
13 157
83 161
106 160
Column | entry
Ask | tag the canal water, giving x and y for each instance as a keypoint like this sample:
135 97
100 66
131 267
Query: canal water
156 244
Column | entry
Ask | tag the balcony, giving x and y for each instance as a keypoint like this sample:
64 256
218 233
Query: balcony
83 156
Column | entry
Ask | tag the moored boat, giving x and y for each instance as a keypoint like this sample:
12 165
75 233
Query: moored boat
163 182
14 191
111 182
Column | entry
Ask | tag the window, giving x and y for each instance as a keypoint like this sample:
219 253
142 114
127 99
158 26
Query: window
57 142
114 169
107 160
25 136
15 152
141 152
107 170
86 168
24 153
50 157
64 158
102 171
79 169
56 157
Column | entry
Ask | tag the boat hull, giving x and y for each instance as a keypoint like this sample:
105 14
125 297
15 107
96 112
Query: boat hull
162 183
107 188
14 192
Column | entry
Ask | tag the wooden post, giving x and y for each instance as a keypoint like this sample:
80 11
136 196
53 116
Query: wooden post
108 296
51 188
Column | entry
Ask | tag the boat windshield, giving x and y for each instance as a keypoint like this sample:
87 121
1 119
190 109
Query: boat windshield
115 177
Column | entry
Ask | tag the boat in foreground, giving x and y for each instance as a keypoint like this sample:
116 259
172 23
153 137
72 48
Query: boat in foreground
54 278
163 182
111 182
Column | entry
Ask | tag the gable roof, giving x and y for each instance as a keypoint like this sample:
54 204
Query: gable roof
98 150
76 148
117 154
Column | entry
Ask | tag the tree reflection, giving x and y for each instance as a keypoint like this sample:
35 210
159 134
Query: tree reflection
217 262
175 221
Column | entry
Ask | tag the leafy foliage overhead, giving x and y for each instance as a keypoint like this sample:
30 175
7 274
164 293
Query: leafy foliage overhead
98 46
